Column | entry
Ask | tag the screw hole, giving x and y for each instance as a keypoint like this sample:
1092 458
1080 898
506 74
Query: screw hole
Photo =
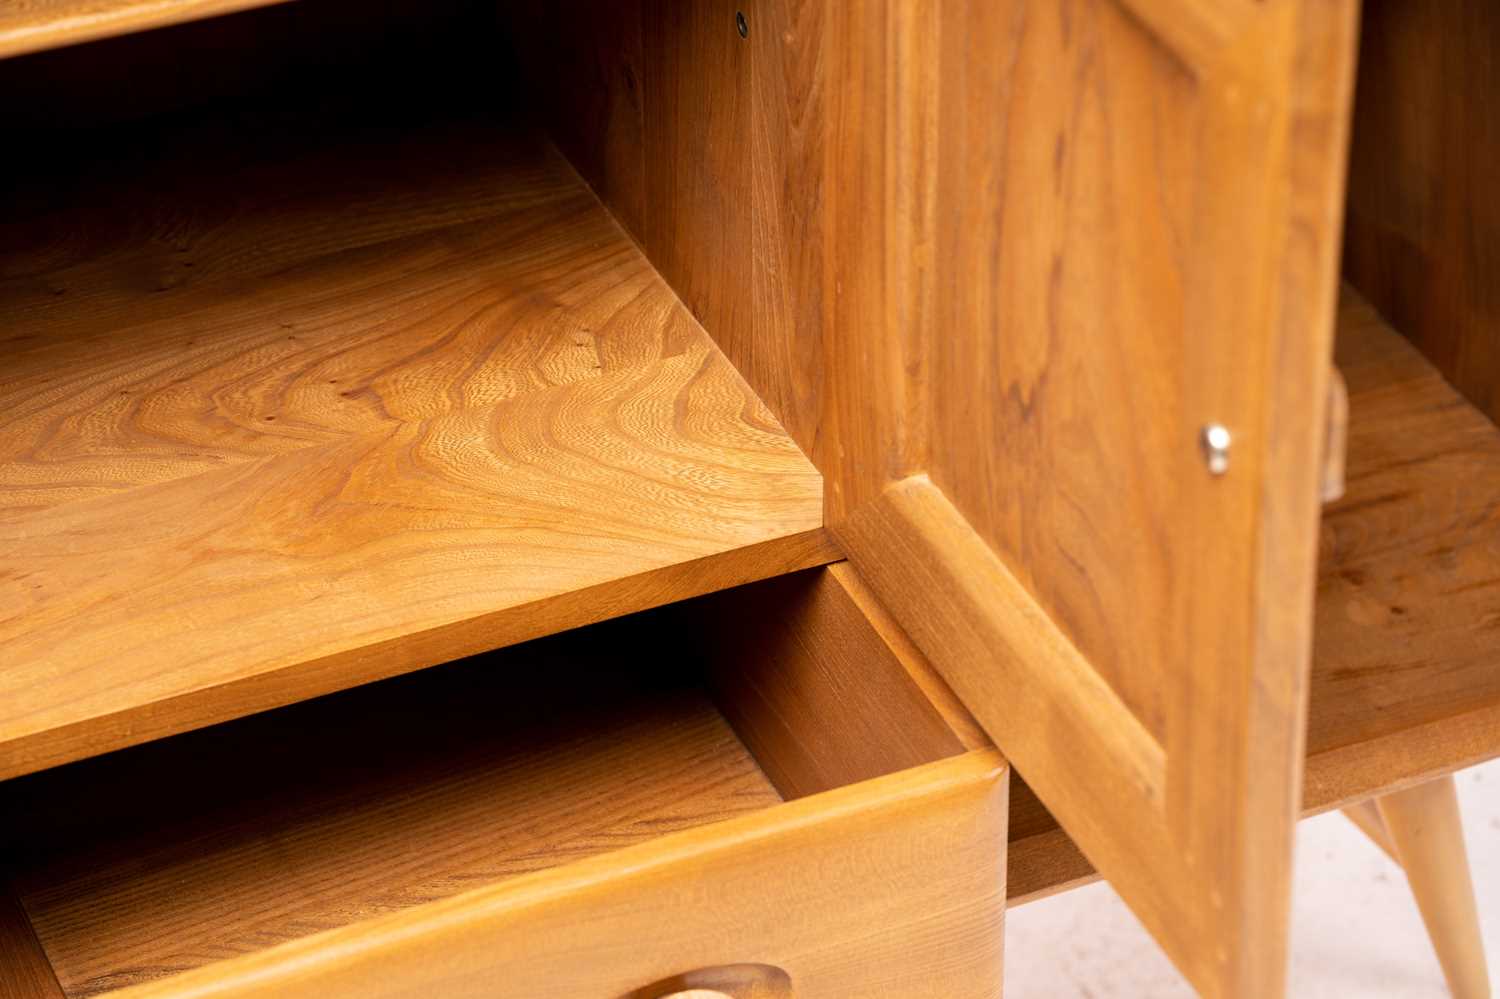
742 24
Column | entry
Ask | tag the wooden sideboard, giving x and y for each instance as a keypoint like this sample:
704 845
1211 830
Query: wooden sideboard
531 499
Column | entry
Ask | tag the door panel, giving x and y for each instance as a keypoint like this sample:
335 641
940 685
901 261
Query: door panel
1068 238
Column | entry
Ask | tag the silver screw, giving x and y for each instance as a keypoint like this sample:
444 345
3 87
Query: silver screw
1214 439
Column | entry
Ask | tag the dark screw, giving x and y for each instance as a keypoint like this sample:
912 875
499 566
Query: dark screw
742 24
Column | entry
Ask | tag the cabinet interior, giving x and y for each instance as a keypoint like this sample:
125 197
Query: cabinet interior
322 365
344 242
1409 585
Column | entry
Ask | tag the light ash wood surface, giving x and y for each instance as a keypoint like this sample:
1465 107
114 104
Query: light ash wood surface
1404 680
818 690
1405 683
34 25
709 148
1428 839
1069 238
828 888
371 448
1028 252
507 826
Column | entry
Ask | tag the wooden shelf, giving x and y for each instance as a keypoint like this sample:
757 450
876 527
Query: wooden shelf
1406 652
1406 655
35 25
367 802
283 419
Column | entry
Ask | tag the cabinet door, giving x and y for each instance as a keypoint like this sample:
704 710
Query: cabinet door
1073 247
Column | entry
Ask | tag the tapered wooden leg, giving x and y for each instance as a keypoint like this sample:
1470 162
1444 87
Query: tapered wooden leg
1366 815
1424 828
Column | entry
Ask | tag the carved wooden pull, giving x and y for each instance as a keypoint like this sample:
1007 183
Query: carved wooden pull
727 981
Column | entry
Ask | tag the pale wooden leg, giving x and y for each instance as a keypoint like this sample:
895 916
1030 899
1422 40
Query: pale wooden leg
1424 829
1366 816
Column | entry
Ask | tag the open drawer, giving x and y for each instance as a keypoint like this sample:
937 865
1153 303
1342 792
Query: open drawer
599 813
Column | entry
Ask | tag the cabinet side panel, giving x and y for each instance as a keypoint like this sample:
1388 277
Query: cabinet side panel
582 61
706 142
1423 236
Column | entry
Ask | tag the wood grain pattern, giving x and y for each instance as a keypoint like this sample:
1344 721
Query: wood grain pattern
1404 686
1057 528
761 885
317 823
1065 243
1035 686
709 148
1409 574
374 453
436 806
814 690
1042 865
25 972
882 82
1040 859
362 340
919 670
34 25
1422 241
375 801
235 590
782 355
265 217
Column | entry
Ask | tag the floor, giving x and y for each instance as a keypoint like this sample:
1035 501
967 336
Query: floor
1355 930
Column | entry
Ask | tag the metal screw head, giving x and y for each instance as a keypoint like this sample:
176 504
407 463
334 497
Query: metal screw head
742 24
1214 439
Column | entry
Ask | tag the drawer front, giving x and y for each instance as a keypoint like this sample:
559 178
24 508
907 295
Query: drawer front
894 886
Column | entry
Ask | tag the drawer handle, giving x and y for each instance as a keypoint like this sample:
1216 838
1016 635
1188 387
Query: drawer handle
726 981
